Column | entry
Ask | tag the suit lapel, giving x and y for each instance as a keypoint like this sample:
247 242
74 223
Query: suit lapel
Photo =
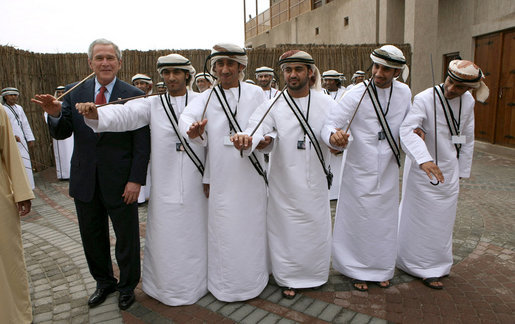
118 93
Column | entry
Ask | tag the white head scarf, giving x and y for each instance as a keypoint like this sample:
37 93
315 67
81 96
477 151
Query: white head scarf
143 77
9 91
59 88
296 56
356 74
231 52
204 76
264 70
391 56
332 75
469 74
176 61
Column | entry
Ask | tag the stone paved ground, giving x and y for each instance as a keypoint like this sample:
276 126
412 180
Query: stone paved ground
480 288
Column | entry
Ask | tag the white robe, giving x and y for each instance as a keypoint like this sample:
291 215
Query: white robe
21 128
365 229
337 95
237 267
271 93
144 193
298 213
427 212
335 161
175 257
63 150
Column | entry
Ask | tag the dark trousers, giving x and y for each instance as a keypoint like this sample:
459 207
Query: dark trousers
94 231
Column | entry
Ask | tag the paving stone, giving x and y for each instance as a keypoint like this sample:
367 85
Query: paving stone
255 316
269 290
206 300
345 316
302 303
360 319
215 306
229 308
316 308
242 312
79 319
270 319
378 321
41 317
329 313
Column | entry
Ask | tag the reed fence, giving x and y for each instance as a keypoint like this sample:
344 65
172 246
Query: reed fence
36 73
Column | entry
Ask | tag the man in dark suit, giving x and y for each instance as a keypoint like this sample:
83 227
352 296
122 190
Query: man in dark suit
107 171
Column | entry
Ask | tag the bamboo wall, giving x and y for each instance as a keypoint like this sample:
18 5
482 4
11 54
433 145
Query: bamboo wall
36 73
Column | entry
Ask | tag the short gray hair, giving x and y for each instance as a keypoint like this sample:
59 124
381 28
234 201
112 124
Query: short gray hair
103 41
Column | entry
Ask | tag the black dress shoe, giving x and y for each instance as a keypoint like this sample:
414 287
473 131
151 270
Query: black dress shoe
126 299
99 296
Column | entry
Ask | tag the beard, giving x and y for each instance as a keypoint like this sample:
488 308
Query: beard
300 84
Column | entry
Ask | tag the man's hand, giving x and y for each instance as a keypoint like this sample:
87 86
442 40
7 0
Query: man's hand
48 103
430 168
339 139
88 110
206 189
420 133
30 144
264 143
17 138
24 207
197 129
131 192
241 141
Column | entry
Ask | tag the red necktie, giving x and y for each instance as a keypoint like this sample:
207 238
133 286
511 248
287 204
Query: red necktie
100 98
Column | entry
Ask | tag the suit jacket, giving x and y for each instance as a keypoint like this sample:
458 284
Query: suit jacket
111 158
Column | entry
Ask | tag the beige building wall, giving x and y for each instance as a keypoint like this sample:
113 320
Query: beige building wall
421 32
329 19
436 27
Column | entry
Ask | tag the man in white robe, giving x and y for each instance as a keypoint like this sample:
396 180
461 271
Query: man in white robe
175 256
298 213
203 81
365 230
357 78
237 264
264 77
63 149
332 83
428 210
161 87
21 128
144 83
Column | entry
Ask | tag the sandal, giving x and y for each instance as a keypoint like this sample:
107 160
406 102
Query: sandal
428 282
356 282
379 283
288 296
